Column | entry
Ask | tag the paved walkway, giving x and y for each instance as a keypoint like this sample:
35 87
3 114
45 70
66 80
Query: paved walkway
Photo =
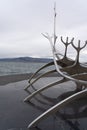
16 114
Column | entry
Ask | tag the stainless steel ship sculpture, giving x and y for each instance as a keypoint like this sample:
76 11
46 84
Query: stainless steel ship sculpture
69 70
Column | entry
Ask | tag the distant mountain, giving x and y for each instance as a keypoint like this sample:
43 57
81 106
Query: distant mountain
26 59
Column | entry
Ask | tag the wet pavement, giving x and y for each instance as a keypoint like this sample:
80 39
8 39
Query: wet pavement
17 115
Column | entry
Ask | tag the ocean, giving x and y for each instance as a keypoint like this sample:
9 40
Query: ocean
11 68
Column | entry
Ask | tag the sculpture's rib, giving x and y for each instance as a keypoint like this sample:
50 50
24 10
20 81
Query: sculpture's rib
60 62
44 66
56 107
44 88
48 72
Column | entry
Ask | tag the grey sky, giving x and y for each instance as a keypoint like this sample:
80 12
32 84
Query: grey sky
23 21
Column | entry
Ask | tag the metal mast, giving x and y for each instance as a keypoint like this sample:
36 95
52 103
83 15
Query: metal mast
55 37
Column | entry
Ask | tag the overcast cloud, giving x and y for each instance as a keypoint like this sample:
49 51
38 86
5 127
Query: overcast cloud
23 21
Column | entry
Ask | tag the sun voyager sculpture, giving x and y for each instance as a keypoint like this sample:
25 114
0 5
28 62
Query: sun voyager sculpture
69 70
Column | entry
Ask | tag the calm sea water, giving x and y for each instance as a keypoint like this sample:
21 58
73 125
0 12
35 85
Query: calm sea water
9 68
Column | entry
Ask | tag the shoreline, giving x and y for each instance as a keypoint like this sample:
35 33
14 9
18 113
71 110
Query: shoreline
6 79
